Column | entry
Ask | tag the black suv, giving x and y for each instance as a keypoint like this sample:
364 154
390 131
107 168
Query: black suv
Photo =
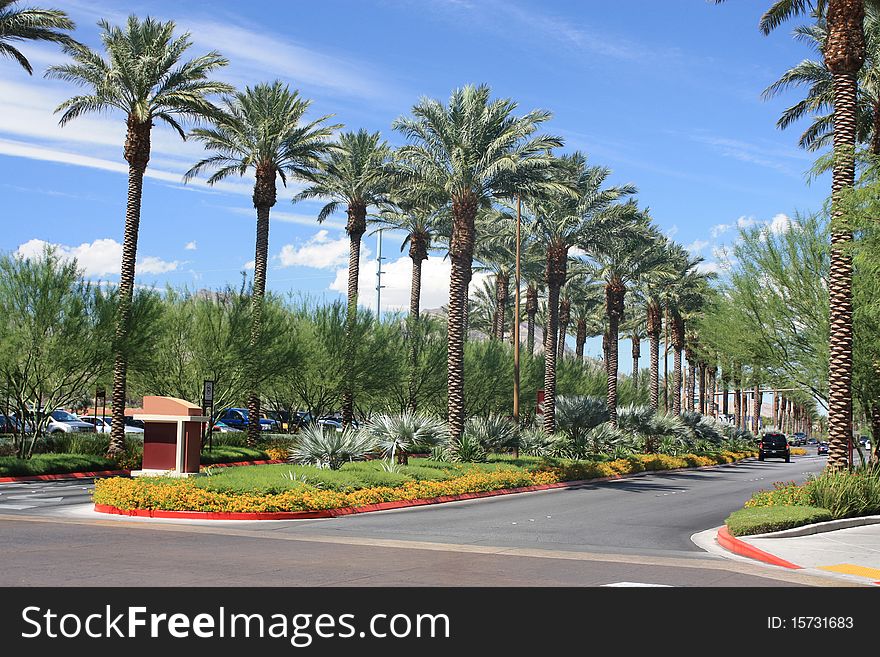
774 445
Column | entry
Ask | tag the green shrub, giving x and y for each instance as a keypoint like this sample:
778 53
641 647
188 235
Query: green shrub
575 415
229 454
467 449
759 520
329 448
495 433
40 464
847 494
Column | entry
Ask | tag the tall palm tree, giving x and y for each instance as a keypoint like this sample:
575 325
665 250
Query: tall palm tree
497 253
468 153
844 55
653 289
145 78
355 174
561 222
587 310
31 24
625 251
262 129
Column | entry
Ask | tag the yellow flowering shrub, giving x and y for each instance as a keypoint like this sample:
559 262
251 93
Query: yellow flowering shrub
184 495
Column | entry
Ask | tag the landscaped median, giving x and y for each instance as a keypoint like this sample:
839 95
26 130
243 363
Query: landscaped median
307 491
828 496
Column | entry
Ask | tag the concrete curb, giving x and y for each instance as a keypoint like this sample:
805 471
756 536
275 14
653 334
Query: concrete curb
119 473
735 545
821 527
381 506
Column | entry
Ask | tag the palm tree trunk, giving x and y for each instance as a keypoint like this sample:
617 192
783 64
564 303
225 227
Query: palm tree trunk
557 261
502 282
614 299
757 398
702 398
580 339
725 401
417 253
737 402
691 382
550 337
137 154
678 345
875 432
564 319
356 227
261 258
531 311
844 55
636 354
461 254
654 341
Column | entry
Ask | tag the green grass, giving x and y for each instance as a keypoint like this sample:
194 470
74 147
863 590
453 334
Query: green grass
761 519
40 464
231 454
277 478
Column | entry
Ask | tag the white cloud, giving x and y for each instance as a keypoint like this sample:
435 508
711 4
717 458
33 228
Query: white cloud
779 224
98 258
191 246
250 265
154 265
745 222
697 246
397 278
719 229
319 252
709 267
290 217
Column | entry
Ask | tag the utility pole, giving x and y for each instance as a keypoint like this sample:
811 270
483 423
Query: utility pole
379 272
516 322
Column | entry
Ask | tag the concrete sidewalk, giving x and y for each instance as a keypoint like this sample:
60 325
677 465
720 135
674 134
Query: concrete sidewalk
848 550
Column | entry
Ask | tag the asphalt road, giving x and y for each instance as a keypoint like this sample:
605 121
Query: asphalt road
633 530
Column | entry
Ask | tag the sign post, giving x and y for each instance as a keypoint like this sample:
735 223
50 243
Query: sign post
208 403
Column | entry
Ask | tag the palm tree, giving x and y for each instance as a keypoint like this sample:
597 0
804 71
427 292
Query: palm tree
844 55
622 253
145 79
467 153
262 129
497 252
421 225
635 327
355 173
587 301
560 223
654 285
31 24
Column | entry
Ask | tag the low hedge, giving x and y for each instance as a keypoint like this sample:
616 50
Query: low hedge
762 519
185 495
40 464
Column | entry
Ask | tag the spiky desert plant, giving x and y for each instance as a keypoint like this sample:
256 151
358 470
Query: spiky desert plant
576 415
401 434
328 448
495 432
466 449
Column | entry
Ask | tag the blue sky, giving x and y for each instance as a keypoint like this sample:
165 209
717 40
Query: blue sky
666 94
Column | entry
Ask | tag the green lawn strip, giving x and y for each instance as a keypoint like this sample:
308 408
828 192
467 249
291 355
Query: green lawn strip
230 454
351 476
40 464
762 519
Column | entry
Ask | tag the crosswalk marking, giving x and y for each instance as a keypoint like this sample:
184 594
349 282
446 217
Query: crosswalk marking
637 584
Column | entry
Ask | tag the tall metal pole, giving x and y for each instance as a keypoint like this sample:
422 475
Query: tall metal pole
516 321
379 285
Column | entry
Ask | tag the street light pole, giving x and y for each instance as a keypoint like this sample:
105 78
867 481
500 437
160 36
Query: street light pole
379 285
516 324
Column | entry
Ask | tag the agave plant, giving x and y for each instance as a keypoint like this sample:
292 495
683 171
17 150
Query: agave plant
495 433
599 440
402 434
578 414
330 448
703 427
467 449
671 446
534 442
651 428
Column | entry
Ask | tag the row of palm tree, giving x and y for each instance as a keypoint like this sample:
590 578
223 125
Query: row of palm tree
463 161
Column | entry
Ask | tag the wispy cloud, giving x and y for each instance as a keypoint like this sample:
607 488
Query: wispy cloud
98 258
291 218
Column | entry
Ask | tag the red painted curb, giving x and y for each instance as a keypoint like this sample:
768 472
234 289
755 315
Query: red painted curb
733 544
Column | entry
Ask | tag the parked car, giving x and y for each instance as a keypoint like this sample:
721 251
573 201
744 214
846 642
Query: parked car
8 424
237 418
102 425
822 448
61 421
798 439
132 421
334 420
812 441
774 445
222 427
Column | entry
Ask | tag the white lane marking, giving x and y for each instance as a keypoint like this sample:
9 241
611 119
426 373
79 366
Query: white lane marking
17 507
41 500
636 584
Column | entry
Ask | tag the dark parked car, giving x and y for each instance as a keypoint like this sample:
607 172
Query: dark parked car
774 446
237 418
822 448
